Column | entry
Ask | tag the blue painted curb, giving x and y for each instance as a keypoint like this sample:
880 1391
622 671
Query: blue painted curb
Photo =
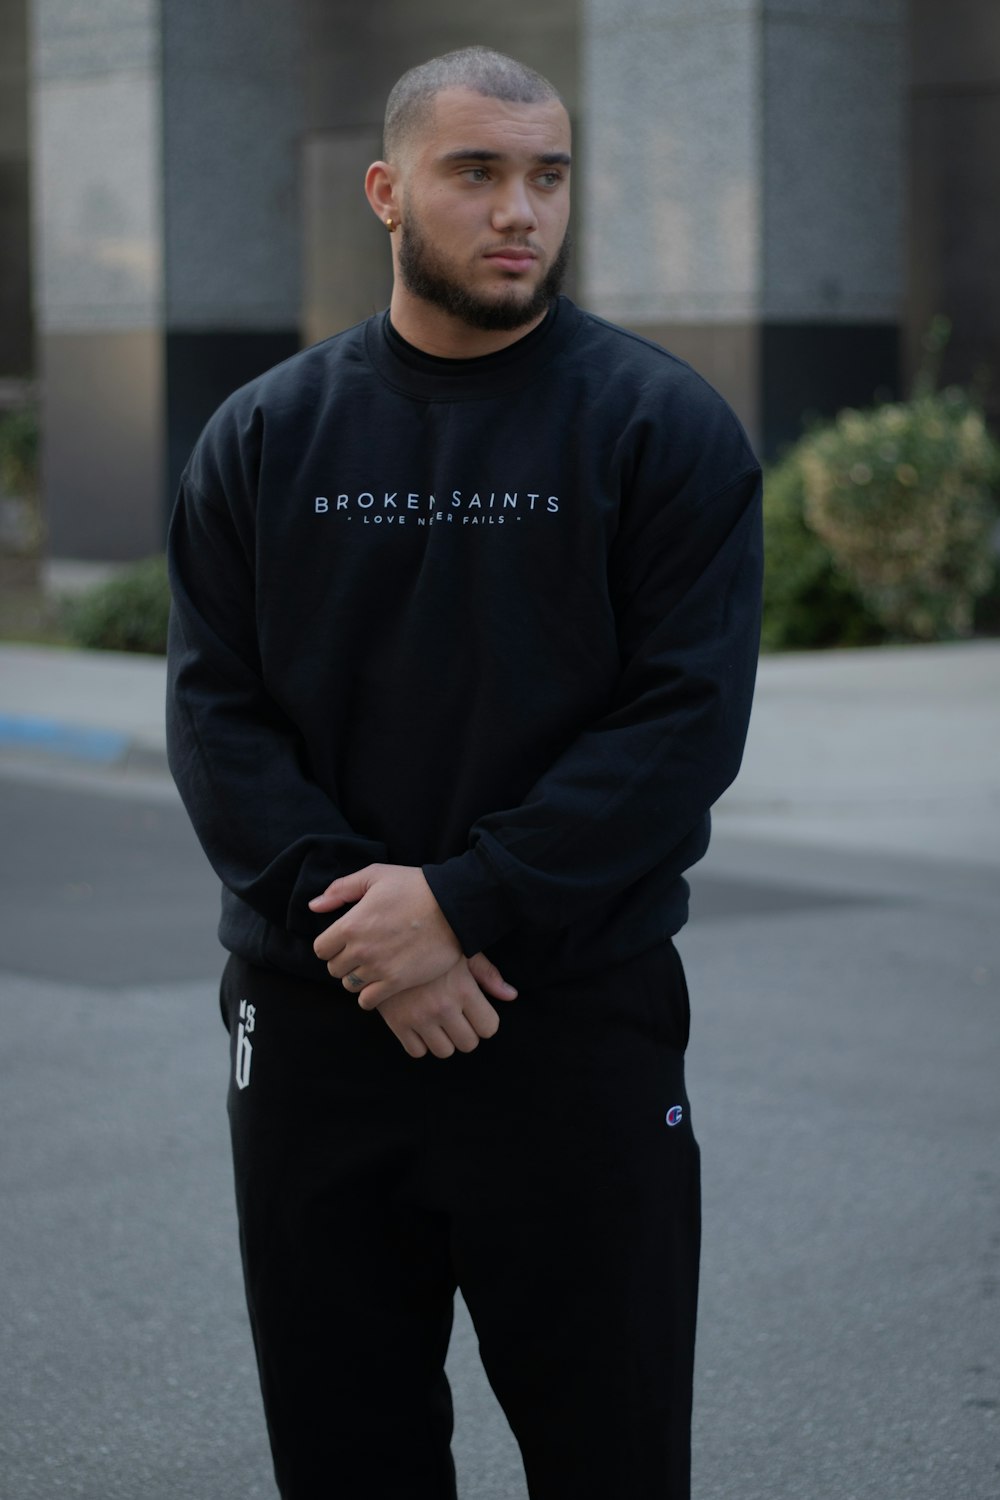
104 746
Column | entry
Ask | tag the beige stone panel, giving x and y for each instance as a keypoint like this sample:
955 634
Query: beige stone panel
356 52
347 265
104 470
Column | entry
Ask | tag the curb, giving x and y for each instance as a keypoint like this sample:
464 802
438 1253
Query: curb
51 737
55 740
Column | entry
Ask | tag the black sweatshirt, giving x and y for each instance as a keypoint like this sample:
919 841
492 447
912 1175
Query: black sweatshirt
494 617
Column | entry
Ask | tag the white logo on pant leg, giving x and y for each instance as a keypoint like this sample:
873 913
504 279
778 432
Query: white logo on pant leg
244 1046
675 1114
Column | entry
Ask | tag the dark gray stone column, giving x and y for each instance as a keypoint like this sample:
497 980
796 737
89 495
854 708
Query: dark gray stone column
954 225
833 186
16 334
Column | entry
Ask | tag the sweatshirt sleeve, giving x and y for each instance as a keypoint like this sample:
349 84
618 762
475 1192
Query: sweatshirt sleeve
272 834
685 573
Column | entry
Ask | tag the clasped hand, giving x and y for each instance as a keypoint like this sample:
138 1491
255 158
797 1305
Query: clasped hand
397 945
396 936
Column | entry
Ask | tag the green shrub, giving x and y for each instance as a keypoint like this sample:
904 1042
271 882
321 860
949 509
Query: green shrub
128 613
19 442
807 601
902 498
19 452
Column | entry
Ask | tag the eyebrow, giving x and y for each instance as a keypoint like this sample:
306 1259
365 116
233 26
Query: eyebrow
473 153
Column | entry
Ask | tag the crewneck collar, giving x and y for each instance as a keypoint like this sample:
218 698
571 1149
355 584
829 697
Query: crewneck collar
428 377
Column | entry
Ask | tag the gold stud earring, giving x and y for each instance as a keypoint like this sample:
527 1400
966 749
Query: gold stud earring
391 225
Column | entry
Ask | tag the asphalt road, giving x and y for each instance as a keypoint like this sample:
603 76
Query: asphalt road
845 1078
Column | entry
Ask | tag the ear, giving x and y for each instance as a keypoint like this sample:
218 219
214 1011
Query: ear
380 190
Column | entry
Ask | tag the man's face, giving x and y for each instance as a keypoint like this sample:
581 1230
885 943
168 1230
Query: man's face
484 193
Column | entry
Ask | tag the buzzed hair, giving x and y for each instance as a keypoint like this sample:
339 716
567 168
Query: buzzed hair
486 72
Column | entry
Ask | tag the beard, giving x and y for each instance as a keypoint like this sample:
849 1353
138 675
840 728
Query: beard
426 275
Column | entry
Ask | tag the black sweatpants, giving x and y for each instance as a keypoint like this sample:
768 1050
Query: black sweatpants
552 1174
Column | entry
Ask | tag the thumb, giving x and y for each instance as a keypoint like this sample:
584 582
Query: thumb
489 978
340 893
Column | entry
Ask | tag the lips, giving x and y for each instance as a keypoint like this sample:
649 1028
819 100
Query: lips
512 259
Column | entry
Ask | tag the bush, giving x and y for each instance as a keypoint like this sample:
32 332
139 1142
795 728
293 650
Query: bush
19 453
902 498
19 443
807 601
128 613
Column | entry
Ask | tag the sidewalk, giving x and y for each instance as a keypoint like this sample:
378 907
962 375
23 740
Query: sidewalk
895 749
98 708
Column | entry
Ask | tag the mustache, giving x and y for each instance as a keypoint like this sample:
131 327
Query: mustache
520 242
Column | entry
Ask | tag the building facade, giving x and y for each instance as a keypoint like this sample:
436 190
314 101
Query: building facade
784 192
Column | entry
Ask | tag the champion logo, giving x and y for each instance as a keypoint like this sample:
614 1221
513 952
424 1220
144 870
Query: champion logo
244 1046
675 1114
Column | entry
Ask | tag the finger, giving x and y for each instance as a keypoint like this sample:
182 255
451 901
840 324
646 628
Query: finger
437 1039
374 993
353 983
330 900
480 1015
330 942
462 1034
489 978
340 967
340 892
406 1036
412 1043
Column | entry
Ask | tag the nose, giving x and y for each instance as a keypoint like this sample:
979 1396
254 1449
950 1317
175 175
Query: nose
512 209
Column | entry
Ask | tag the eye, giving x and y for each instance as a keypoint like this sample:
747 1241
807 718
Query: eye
476 174
549 179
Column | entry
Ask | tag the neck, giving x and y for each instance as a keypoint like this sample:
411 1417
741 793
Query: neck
438 332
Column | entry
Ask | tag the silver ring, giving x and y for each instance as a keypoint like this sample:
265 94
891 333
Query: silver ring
355 981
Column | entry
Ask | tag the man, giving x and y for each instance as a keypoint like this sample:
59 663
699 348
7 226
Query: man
462 652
